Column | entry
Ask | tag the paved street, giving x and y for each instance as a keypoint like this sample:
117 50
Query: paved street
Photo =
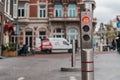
47 67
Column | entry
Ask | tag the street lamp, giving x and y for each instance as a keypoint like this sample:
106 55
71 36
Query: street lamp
17 31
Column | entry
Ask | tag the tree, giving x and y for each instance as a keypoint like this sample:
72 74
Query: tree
111 34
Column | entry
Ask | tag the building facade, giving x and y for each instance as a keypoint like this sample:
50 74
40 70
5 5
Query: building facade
47 18
1 23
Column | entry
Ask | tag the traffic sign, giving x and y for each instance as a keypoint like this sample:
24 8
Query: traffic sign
118 24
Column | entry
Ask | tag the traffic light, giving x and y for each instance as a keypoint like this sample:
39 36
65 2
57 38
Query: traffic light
86 29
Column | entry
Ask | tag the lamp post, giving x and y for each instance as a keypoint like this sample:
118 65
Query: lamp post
0 38
1 33
17 29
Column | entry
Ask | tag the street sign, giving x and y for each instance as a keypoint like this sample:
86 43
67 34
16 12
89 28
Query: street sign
118 24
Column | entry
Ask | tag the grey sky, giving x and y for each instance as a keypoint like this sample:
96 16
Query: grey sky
106 10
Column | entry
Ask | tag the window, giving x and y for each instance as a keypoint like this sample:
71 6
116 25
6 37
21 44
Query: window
26 10
42 33
58 32
21 12
65 43
1 0
72 10
58 10
14 1
14 10
7 6
28 33
28 38
13 38
42 11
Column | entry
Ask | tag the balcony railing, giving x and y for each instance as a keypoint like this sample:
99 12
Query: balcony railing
24 0
64 1
32 19
64 19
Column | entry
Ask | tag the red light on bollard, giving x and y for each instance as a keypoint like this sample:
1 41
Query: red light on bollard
85 19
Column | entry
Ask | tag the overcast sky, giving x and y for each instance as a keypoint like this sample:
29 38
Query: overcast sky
106 10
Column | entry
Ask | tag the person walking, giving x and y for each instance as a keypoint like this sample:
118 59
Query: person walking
118 43
113 45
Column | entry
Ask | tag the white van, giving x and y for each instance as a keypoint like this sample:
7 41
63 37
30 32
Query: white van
60 45
57 44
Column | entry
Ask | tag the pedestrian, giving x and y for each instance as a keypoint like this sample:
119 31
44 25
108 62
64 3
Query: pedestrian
118 43
113 45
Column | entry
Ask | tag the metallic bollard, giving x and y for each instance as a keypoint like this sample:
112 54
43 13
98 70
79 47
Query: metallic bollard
73 54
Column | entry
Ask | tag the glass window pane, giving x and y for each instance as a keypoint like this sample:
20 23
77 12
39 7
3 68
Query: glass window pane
58 30
42 33
58 10
40 13
28 33
18 12
58 6
56 13
72 10
42 6
72 6
60 13
72 37
70 13
72 30
44 13
58 36
22 12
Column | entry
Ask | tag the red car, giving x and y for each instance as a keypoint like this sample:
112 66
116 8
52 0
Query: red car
46 46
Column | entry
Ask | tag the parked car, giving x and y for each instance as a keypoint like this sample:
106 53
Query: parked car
46 46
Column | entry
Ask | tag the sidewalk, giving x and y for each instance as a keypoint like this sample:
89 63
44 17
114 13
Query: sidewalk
105 52
107 67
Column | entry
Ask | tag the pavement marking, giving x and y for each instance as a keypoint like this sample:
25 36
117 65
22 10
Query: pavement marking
21 78
72 78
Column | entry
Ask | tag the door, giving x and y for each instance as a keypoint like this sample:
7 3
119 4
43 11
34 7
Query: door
28 38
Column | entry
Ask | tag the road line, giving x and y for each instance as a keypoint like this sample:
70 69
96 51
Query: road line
72 78
21 78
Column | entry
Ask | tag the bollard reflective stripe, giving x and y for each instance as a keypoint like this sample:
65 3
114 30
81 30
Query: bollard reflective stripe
87 70
85 62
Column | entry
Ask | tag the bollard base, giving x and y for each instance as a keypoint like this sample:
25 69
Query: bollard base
70 69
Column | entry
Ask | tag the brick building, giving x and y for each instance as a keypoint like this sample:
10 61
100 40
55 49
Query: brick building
6 14
47 18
